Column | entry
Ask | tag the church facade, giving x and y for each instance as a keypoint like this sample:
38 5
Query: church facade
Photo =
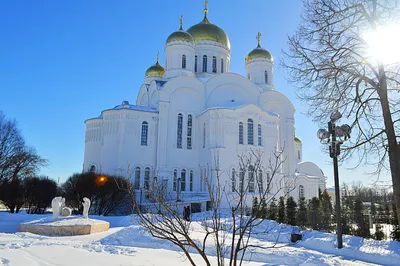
194 116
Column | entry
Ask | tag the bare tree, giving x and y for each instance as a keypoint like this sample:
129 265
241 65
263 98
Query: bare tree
328 60
226 230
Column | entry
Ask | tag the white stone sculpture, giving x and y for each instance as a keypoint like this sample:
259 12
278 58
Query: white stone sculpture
62 205
55 205
66 211
86 206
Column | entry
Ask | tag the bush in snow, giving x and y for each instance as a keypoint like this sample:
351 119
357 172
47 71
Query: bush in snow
39 191
12 194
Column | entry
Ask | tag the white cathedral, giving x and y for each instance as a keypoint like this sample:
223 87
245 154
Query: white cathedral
195 109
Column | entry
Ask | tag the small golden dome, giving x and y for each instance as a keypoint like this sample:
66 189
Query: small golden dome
297 140
206 31
155 70
259 52
180 35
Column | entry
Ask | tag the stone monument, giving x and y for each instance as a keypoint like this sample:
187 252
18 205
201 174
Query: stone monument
86 207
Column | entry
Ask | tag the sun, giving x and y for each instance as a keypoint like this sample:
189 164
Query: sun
384 44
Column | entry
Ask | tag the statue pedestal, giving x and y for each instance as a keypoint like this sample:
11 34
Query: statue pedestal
64 226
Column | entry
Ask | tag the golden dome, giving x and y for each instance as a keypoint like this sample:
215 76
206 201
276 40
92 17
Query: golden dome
297 140
155 70
180 35
206 31
259 52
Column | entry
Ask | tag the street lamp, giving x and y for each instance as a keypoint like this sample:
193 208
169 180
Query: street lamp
331 136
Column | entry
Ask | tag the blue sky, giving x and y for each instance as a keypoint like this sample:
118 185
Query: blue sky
62 62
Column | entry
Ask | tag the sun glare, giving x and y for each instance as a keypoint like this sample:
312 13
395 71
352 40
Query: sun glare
384 44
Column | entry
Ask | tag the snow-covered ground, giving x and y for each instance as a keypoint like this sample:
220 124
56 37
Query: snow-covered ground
126 243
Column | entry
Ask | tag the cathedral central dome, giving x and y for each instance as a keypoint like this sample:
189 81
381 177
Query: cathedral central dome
206 31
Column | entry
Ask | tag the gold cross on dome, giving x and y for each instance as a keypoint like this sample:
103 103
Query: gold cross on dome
205 4
158 55
258 38
181 22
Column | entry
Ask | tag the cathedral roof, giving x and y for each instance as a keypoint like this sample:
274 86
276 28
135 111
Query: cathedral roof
259 52
155 70
180 36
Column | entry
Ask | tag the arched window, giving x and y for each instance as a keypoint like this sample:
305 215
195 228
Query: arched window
301 191
214 64
222 65
260 181
92 169
241 180
268 179
250 132
240 133
251 178
191 180
204 63
147 178
179 132
137 178
183 180
189 132
174 184
259 135
195 63
204 135
266 77
298 155
248 75
233 180
145 131
183 61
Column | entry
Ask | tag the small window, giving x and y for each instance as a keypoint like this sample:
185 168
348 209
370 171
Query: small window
240 133
189 132
214 64
268 179
191 180
179 132
248 75
260 181
183 61
204 135
233 180
241 180
251 178
301 191
174 184
266 77
183 180
250 137
147 178
145 131
195 63
259 135
222 65
298 155
204 63
92 168
137 178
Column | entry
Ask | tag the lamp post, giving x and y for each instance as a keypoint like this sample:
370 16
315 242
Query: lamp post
331 135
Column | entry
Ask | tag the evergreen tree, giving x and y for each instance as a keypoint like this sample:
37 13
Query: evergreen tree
393 219
395 234
302 213
314 213
387 213
273 210
326 211
255 208
281 210
291 210
379 235
361 221
264 210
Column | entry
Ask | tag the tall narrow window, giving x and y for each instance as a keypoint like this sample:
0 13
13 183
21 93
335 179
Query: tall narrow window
191 180
241 180
146 183
260 181
240 133
204 63
222 65
266 77
250 137
174 184
145 131
179 132
268 179
189 132
183 180
195 63
204 135
301 191
183 61
298 155
251 178
259 135
137 178
233 180
214 64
